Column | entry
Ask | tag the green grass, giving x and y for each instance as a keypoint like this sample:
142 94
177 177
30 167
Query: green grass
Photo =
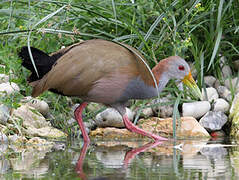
197 30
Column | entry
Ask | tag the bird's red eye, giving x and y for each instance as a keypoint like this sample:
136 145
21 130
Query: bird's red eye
181 68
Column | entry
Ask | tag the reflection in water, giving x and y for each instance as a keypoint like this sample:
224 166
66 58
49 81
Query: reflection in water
124 160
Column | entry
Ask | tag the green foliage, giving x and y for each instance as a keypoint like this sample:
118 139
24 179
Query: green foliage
197 30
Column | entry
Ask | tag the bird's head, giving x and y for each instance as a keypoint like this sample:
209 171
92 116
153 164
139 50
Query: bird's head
176 67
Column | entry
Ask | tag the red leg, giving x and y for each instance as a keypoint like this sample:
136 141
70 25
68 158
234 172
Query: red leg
79 165
130 126
78 116
131 154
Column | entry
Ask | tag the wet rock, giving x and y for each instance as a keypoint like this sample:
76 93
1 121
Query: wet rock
224 93
4 114
35 124
3 147
211 94
221 105
4 78
213 121
161 110
209 80
234 117
214 152
3 138
110 157
189 128
113 133
39 105
232 83
112 118
196 109
32 163
8 88
4 165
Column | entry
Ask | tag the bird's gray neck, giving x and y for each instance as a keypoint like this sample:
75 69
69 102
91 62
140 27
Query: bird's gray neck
162 82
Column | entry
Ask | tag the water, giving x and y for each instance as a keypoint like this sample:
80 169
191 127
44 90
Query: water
113 160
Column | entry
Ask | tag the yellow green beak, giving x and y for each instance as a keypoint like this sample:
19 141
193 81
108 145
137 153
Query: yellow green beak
190 82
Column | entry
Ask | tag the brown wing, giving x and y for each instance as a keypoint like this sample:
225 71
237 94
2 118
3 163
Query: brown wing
92 64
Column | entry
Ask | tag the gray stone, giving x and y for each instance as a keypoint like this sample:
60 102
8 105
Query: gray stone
4 114
147 112
221 105
226 71
196 109
162 111
211 94
217 84
212 152
4 78
209 80
232 83
112 118
224 93
35 124
8 88
213 121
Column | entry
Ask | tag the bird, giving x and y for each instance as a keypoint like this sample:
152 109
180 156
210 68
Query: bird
105 72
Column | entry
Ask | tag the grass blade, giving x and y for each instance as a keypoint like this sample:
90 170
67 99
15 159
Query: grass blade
29 35
175 115
217 43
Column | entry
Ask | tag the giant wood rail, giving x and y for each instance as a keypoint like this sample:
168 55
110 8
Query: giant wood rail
103 72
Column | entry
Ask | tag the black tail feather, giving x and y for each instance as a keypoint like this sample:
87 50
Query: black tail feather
42 61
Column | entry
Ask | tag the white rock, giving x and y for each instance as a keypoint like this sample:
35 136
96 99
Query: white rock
4 78
213 121
212 94
196 109
232 83
221 105
39 105
8 88
224 93
209 80
112 118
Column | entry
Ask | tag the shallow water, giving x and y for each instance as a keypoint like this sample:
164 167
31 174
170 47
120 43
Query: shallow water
183 159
